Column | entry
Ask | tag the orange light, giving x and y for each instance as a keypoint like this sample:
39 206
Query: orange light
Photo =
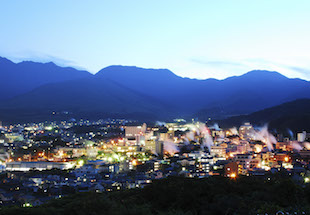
134 162
286 159
233 175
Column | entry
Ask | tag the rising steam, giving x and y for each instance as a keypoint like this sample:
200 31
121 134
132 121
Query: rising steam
263 135
170 147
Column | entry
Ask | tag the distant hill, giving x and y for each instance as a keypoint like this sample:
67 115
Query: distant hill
134 92
91 98
19 78
293 115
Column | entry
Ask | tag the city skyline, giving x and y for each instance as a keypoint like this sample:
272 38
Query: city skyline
154 107
200 39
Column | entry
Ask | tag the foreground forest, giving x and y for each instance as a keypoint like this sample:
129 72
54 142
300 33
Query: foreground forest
214 195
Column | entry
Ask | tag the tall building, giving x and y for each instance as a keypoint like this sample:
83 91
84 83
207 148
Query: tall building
159 148
301 137
246 131
134 131
150 145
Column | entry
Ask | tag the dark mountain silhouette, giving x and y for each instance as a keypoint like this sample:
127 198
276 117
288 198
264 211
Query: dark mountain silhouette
19 78
293 115
89 97
250 92
145 93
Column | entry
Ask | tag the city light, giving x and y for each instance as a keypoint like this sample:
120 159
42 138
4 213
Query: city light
208 153
134 162
27 205
80 162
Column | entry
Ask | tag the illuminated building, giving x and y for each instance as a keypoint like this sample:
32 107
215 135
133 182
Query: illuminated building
246 131
12 137
156 166
282 157
301 137
92 152
218 133
150 145
140 140
232 169
112 168
218 151
255 163
85 170
40 165
149 135
244 161
134 131
204 164
163 136
283 146
243 148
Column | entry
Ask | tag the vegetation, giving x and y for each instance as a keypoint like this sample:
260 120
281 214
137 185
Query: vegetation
214 195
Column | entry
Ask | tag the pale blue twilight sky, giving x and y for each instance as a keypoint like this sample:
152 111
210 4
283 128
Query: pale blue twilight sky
197 39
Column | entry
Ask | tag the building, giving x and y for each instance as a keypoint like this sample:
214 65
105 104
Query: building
217 133
159 148
244 160
218 151
243 148
40 165
246 131
12 137
232 169
150 145
301 137
205 163
134 131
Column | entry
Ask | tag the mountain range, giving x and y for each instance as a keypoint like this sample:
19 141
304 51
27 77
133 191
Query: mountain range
31 91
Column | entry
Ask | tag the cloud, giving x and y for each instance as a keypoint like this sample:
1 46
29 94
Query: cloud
303 71
222 69
217 63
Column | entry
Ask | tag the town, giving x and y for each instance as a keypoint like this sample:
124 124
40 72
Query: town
44 161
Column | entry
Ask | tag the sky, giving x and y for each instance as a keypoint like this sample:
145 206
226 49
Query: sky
196 39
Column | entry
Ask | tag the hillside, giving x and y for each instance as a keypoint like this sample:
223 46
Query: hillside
293 115
184 196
